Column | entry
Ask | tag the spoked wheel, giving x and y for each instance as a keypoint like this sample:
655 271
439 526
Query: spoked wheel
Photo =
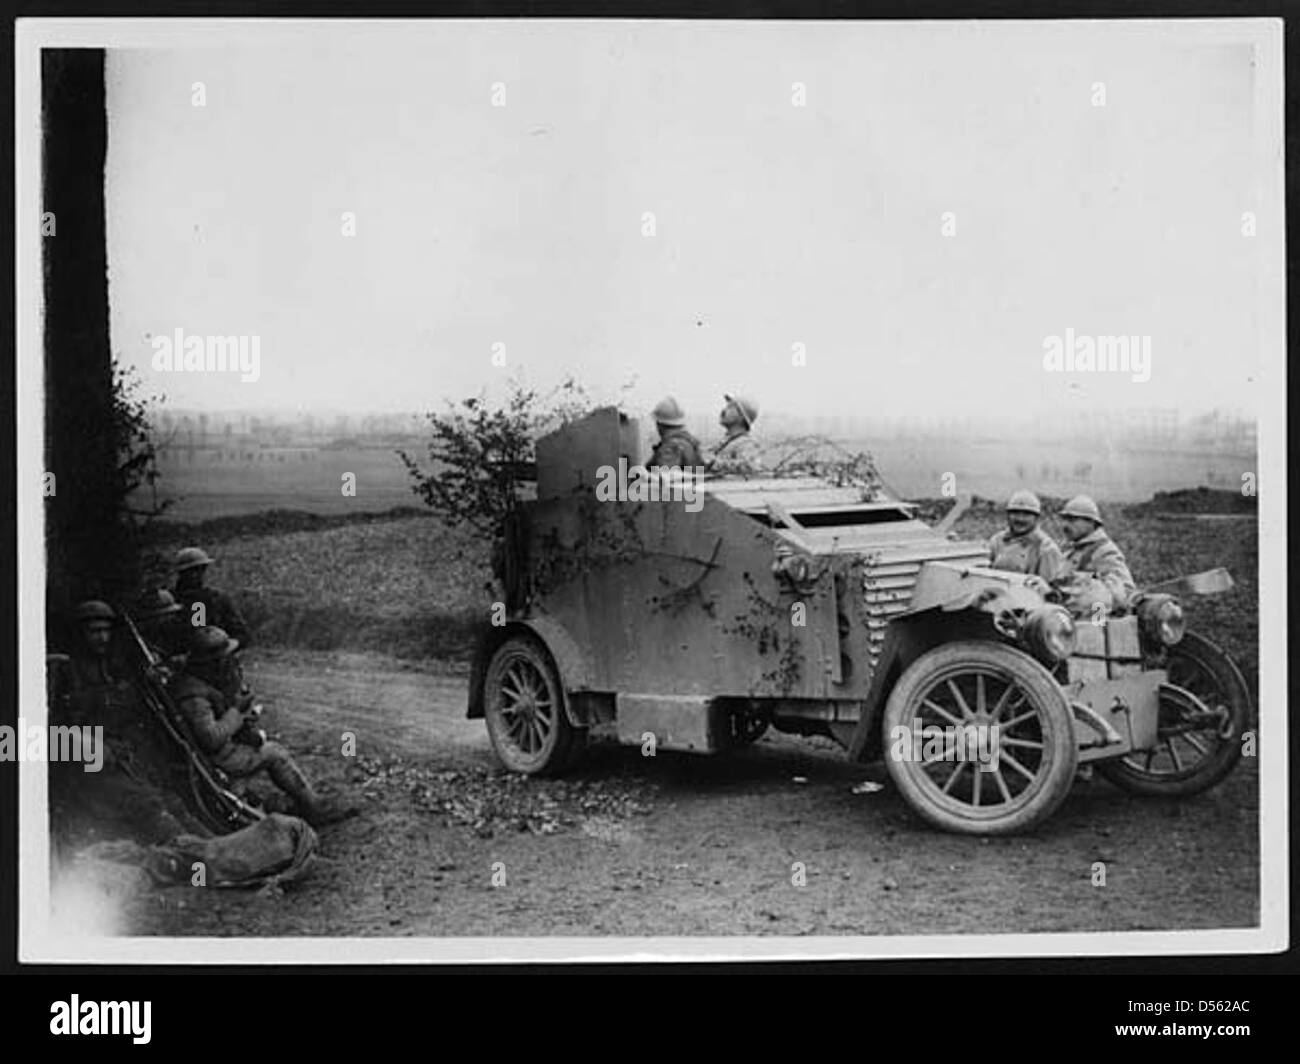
1204 708
997 750
523 703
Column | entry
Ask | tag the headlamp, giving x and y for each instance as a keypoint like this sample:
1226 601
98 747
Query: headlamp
1048 632
1162 619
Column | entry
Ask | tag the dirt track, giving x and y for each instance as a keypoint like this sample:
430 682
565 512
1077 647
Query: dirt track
684 845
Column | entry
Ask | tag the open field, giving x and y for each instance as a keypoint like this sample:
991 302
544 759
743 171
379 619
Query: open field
210 483
207 483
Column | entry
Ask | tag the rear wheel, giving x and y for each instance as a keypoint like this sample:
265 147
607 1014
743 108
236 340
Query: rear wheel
1008 773
1204 708
523 703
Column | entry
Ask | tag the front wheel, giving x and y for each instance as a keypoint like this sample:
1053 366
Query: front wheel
979 739
1204 709
523 703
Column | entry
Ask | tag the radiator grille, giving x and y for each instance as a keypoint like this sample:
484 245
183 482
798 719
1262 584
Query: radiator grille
887 587
886 592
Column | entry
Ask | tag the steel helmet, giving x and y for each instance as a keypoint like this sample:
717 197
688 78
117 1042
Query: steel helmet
210 642
1082 506
1024 501
94 610
156 603
747 407
669 413
191 558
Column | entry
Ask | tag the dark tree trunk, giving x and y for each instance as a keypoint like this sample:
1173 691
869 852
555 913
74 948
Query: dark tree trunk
83 542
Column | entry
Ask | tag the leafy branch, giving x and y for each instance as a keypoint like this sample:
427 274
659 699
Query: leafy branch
480 455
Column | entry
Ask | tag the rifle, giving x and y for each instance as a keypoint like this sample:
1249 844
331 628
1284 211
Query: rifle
231 809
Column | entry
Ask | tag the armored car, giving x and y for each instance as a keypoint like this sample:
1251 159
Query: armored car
698 615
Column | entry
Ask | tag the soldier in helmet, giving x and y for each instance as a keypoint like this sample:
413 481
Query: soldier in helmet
216 705
1023 547
89 688
1097 566
158 616
676 446
93 689
738 453
218 609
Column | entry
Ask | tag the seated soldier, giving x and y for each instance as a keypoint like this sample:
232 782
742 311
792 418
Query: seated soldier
217 707
676 448
219 609
158 616
1023 547
738 454
95 692
89 688
1098 575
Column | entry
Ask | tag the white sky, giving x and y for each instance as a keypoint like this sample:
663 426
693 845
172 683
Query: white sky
775 224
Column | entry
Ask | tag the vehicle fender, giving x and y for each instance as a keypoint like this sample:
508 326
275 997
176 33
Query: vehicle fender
950 587
908 637
570 661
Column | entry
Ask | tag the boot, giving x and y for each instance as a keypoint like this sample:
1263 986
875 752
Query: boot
331 810
314 809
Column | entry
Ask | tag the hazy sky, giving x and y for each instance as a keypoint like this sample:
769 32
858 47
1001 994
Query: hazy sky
775 224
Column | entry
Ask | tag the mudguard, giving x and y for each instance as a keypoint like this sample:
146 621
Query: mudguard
570 661
950 587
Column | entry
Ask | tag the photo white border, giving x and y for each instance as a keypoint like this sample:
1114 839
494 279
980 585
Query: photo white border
39 942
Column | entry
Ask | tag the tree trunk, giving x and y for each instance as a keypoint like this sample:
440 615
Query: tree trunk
83 542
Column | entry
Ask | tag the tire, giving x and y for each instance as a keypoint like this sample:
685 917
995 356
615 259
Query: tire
1186 762
523 704
1037 752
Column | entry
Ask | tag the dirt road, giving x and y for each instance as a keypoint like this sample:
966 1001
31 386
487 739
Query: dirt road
683 845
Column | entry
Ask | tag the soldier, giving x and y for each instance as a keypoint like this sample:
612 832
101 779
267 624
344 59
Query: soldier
1023 547
93 690
89 690
219 611
217 708
738 453
1097 565
157 613
676 446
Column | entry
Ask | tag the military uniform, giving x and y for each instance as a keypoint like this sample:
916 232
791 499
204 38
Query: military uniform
131 787
738 455
1098 555
676 447
219 611
91 688
1034 553
214 719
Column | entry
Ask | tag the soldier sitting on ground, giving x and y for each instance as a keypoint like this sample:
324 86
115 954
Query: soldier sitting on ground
94 690
676 447
158 616
219 610
1023 547
89 688
217 708
738 454
1098 574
